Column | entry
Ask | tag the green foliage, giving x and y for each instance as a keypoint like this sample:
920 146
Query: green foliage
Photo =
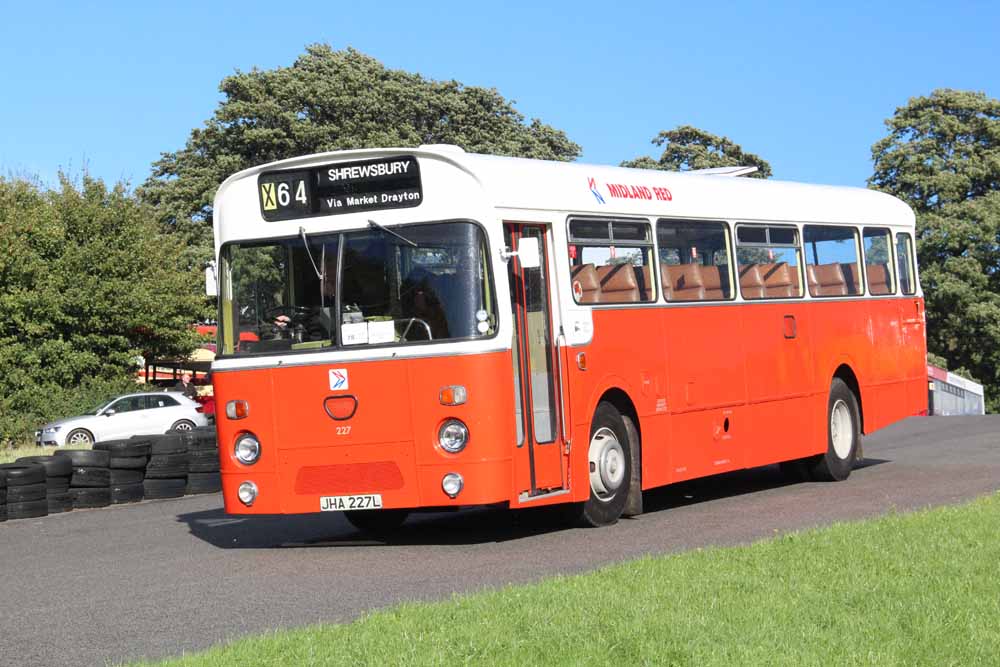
88 282
688 147
942 157
332 100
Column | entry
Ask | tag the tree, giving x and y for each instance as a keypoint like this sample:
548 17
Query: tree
332 100
942 157
88 283
688 148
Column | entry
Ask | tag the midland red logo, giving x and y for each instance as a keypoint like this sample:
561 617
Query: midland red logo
338 379
630 191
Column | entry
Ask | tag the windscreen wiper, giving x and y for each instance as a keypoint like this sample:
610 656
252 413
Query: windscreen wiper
372 223
305 242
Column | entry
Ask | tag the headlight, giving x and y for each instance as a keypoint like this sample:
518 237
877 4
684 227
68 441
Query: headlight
247 493
52 429
452 484
247 448
453 436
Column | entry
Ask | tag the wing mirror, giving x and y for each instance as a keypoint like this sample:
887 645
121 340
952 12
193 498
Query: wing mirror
211 281
110 412
528 253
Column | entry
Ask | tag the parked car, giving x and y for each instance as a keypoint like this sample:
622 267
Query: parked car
123 417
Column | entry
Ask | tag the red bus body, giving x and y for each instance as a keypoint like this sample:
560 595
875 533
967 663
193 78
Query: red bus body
712 387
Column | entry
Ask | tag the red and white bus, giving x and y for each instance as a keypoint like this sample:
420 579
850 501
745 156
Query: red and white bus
408 329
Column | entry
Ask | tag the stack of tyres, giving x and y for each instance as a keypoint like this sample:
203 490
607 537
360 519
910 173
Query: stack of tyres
167 470
25 490
90 484
3 495
203 461
128 468
58 470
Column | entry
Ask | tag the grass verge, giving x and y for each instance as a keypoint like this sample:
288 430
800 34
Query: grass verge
913 589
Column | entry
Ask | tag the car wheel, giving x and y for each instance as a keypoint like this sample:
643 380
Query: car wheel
182 425
79 437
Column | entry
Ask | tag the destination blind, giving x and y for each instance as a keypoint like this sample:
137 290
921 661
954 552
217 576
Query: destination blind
342 187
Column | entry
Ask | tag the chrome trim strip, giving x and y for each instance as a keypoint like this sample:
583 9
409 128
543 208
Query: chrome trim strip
329 362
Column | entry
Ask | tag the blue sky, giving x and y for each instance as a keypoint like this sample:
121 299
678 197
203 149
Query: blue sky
108 87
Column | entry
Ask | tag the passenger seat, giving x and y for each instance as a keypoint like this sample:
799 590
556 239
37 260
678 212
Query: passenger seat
878 279
590 286
827 280
618 284
780 282
685 282
751 282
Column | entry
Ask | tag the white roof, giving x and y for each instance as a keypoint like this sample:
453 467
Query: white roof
518 183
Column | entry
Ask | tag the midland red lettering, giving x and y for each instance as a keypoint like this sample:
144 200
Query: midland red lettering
620 191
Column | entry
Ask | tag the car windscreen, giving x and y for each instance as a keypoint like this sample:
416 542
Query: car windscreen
378 286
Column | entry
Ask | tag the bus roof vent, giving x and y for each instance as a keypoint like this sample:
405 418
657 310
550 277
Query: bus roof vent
724 171
451 148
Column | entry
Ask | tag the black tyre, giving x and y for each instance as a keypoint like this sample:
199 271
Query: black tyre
90 477
843 435
79 437
88 458
203 441
57 484
129 462
28 510
610 462
27 493
120 477
207 466
124 448
3 512
377 522
167 444
182 425
59 503
164 488
3 479
127 493
55 466
202 482
23 474
88 497
166 466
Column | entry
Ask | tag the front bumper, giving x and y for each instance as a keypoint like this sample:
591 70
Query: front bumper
50 438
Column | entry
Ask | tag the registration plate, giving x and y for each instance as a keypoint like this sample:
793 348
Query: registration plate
368 501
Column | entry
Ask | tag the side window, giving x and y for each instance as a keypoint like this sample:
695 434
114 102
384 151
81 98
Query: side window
163 401
694 260
879 267
767 261
904 254
128 404
832 266
611 261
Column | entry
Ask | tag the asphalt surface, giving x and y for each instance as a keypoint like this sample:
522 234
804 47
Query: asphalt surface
166 577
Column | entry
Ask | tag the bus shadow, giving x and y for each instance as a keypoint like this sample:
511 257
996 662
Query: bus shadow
464 527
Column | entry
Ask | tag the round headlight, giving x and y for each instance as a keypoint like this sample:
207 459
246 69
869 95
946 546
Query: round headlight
453 436
247 448
452 484
247 493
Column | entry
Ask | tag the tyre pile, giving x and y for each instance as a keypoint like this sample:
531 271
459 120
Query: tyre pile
127 464
90 484
166 473
203 461
113 472
58 471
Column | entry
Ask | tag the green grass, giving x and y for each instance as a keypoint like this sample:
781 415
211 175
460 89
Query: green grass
914 589
9 455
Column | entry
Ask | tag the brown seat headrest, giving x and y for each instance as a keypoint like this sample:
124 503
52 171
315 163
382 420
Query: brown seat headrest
829 280
618 284
751 282
879 281
780 281
590 287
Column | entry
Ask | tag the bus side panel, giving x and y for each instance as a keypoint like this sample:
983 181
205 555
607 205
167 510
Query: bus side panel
885 390
840 336
626 353
706 392
913 353
780 380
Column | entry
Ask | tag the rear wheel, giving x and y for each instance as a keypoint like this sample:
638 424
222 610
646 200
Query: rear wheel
79 437
182 425
609 460
377 522
843 435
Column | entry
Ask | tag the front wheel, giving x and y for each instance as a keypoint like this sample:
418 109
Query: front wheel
843 435
79 437
609 459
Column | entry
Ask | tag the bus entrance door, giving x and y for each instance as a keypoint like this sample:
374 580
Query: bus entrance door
540 462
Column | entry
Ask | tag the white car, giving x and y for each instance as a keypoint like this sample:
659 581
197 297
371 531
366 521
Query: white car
123 417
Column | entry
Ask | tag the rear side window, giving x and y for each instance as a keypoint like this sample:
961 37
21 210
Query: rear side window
767 261
161 401
832 264
694 260
611 261
904 255
879 267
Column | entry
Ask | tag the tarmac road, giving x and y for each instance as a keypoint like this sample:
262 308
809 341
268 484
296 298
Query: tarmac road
165 577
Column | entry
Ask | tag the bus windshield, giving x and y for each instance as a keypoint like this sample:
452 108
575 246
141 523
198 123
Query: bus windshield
414 283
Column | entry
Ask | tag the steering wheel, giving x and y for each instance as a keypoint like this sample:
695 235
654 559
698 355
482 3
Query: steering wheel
410 323
295 315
